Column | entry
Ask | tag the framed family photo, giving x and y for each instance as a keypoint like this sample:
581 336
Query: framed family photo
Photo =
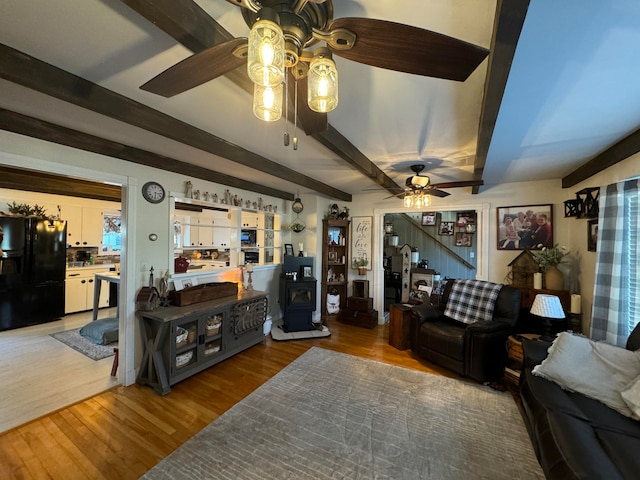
288 249
429 218
525 227
463 239
446 228
306 271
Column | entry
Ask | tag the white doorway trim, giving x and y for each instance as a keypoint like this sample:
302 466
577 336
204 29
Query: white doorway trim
482 236
126 299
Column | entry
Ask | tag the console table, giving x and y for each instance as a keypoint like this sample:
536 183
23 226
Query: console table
182 341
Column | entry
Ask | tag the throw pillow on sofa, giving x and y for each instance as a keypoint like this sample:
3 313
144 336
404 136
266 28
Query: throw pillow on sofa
595 369
632 397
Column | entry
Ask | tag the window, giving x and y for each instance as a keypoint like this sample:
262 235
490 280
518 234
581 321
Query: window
111 233
631 315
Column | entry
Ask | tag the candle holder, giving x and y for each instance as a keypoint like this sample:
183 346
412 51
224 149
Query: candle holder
249 269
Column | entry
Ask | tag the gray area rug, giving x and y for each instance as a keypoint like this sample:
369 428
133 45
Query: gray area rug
279 335
329 415
73 339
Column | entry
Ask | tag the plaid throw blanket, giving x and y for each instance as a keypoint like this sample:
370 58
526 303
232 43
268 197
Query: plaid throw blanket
472 300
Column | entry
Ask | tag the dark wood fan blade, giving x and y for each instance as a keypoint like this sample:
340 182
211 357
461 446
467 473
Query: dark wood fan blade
197 69
465 183
404 48
312 122
438 193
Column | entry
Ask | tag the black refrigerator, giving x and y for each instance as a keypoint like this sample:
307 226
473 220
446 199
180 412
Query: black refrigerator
32 271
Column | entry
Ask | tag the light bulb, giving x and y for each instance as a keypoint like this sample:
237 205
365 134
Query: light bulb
267 102
322 82
265 55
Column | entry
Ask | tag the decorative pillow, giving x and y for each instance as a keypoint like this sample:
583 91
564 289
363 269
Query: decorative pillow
472 300
595 369
632 397
101 332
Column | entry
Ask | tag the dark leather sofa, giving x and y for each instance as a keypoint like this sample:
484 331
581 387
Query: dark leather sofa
474 350
576 437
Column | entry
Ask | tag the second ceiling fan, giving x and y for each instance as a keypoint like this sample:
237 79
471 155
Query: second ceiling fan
304 23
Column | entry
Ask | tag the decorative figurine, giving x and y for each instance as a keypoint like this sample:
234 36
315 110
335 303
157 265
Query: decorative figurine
189 190
215 198
206 196
196 194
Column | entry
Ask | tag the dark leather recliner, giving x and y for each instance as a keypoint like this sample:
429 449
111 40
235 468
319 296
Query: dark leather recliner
475 350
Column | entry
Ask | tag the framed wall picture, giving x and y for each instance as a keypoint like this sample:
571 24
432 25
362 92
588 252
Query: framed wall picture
463 239
592 235
428 218
333 256
464 219
361 247
306 271
288 249
446 228
525 227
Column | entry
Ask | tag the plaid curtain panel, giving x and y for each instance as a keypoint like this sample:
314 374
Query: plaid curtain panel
472 300
614 289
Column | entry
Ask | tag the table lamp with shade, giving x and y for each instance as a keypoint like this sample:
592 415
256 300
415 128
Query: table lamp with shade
548 308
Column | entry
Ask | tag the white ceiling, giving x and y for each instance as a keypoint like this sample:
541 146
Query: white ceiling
573 89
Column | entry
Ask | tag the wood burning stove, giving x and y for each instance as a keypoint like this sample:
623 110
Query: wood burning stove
297 302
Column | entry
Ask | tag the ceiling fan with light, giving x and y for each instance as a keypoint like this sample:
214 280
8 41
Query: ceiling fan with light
418 188
279 51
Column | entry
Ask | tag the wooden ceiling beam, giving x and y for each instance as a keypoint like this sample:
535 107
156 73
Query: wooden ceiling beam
33 127
27 180
190 25
507 26
510 17
628 146
22 69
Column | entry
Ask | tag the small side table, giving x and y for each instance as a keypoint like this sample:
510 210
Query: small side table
400 326
514 352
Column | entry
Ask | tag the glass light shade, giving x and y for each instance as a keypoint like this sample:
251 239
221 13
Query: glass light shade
322 85
408 199
267 102
417 199
265 57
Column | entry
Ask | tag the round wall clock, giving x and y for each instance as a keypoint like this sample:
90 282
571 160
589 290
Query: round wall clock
153 192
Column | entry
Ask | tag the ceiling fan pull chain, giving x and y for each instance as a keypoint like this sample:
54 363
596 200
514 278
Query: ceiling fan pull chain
295 117
286 110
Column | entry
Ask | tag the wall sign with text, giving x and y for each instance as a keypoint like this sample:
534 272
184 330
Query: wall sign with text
361 229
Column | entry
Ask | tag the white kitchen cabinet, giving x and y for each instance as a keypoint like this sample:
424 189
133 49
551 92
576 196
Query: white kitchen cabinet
92 226
206 226
84 225
79 287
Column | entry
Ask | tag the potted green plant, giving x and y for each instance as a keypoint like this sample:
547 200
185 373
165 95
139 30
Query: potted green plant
549 259
360 264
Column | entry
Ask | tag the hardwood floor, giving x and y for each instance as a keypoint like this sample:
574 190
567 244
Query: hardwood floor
123 432
39 374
